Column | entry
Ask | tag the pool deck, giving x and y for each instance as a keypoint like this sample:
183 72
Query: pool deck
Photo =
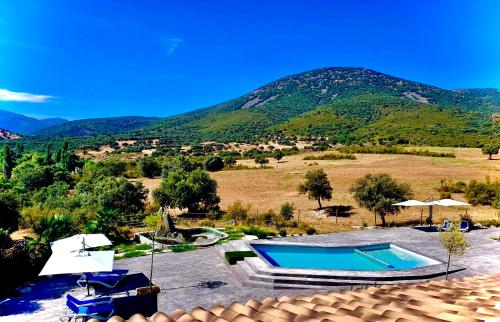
201 278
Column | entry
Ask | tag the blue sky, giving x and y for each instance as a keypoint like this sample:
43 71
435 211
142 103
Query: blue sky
99 58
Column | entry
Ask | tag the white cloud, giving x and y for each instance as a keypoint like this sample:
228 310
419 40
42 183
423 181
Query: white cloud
172 44
10 96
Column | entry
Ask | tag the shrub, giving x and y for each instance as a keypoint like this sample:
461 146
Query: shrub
282 232
393 150
311 231
214 163
481 193
331 156
260 232
56 227
206 223
5 240
234 256
183 248
9 211
237 212
149 167
286 211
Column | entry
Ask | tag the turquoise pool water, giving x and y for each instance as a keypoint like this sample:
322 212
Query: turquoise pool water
364 258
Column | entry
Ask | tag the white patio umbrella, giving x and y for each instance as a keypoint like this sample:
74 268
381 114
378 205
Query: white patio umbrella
77 263
445 203
79 242
413 203
450 203
85 262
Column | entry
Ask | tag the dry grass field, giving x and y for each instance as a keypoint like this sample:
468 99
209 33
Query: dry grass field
266 189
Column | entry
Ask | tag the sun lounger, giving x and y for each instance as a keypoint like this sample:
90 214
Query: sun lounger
99 312
109 281
90 302
120 272
446 225
464 226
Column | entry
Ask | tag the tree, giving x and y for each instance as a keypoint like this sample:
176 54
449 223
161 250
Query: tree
378 193
153 223
455 243
260 159
286 211
7 162
194 190
317 186
9 211
278 155
230 161
127 197
490 149
149 167
238 212
214 163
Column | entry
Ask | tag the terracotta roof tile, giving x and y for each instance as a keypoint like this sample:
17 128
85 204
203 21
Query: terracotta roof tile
469 299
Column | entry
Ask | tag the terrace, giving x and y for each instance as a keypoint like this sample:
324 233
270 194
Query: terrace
202 278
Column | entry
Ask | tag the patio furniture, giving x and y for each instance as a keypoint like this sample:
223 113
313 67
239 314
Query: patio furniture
109 281
99 312
120 272
464 226
90 302
446 225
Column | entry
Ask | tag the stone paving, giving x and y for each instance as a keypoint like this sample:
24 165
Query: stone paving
200 278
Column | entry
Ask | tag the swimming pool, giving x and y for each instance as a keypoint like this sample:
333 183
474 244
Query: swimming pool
378 257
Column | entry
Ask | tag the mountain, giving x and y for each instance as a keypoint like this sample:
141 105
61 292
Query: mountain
22 124
7 135
97 126
343 104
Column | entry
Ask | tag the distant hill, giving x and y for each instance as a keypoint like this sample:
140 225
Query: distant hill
7 135
22 124
345 105
97 126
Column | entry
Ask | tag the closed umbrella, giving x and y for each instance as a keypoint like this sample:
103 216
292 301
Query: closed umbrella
79 242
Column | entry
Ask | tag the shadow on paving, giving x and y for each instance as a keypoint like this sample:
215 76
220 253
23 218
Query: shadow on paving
42 289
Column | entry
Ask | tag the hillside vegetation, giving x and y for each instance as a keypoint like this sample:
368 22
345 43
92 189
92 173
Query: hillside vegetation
345 105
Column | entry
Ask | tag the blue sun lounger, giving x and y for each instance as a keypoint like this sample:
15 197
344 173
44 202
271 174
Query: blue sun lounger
120 272
446 225
89 309
109 281
90 302
464 226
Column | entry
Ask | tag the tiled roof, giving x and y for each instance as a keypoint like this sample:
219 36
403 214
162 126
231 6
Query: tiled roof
468 299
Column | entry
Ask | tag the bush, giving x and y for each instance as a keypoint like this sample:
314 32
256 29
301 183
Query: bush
392 150
237 212
311 231
481 193
56 227
286 211
331 156
260 232
183 248
206 223
214 163
234 256
5 240
149 167
282 232
9 211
